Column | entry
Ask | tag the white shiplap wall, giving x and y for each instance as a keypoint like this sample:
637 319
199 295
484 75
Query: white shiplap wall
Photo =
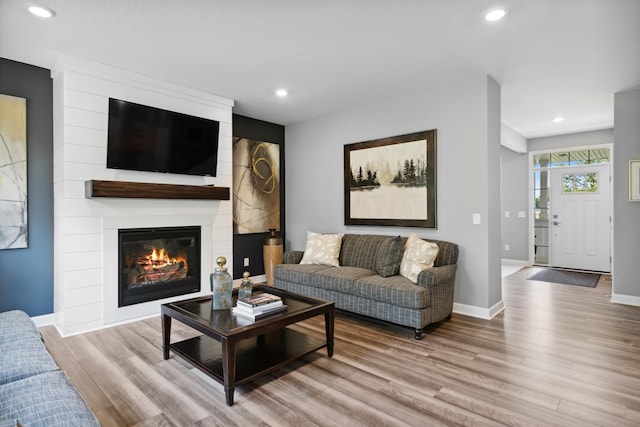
85 241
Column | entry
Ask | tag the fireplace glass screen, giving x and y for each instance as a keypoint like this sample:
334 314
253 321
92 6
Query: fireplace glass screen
158 263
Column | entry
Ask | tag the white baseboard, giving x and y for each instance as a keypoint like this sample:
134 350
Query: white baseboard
110 325
516 262
44 320
49 319
259 279
479 312
625 299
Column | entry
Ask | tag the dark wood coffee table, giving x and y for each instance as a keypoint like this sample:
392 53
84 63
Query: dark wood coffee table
235 350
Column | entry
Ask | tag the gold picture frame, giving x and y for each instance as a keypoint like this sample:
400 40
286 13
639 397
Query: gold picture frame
13 180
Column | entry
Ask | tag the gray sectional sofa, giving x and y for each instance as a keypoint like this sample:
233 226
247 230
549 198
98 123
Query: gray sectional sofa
357 284
33 390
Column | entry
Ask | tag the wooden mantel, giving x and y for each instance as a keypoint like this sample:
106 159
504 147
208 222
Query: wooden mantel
142 190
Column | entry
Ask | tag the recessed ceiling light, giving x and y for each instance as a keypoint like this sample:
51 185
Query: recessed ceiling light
558 120
282 92
495 15
42 12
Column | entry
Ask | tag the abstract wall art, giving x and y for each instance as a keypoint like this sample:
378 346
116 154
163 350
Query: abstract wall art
13 172
256 186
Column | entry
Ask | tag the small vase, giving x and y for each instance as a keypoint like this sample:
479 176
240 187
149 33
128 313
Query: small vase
272 254
246 287
221 287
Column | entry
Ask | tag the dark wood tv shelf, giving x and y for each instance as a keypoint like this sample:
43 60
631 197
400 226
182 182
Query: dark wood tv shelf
142 190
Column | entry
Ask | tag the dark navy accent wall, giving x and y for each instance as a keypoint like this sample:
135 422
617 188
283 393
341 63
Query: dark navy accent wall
250 245
26 275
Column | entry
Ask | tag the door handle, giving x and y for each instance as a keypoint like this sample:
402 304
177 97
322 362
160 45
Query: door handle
555 223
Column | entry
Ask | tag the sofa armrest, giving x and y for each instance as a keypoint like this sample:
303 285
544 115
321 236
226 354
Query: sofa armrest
440 283
292 257
433 276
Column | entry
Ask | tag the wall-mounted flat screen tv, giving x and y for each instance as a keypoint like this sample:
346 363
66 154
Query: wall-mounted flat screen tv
143 138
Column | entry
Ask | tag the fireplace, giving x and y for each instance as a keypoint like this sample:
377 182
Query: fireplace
156 263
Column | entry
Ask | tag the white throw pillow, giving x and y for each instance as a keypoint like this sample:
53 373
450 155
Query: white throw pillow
418 255
322 249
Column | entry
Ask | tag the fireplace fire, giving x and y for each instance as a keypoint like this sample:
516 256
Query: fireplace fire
154 267
158 263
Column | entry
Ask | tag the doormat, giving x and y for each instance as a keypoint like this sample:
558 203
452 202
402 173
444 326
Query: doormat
565 277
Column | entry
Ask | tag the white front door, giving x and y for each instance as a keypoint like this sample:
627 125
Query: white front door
580 217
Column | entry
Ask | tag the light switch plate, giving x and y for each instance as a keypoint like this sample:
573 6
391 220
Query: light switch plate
476 218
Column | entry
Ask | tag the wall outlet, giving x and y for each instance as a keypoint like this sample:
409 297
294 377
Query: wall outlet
476 218
506 214
521 214
246 262
506 247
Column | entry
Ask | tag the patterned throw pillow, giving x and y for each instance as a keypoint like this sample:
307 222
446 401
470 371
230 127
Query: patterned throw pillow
389 257
418 255
322 249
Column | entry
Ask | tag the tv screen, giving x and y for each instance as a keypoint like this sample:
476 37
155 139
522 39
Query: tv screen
143 138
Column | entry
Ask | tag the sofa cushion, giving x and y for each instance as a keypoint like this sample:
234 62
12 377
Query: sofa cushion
339 279
322 249
24 358
362 250
395 290
418 255
389 257
16 325
298 273
48 399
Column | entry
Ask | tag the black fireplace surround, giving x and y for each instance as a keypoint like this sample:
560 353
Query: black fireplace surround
157 263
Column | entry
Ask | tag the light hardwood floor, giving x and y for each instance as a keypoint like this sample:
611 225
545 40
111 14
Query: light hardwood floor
558 355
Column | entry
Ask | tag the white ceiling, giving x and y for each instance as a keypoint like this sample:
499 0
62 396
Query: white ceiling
551 57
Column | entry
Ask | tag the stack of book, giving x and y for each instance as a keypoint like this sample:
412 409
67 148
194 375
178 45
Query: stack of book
259 306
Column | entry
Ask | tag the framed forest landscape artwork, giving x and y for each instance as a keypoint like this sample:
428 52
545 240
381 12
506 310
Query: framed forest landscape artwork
391 181
13 172
256 186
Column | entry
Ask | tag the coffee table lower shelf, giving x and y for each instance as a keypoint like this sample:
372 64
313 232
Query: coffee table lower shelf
255 356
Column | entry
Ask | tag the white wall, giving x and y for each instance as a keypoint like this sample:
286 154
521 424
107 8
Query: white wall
626 214
466 116
515 199
512 140
85 230
551 143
